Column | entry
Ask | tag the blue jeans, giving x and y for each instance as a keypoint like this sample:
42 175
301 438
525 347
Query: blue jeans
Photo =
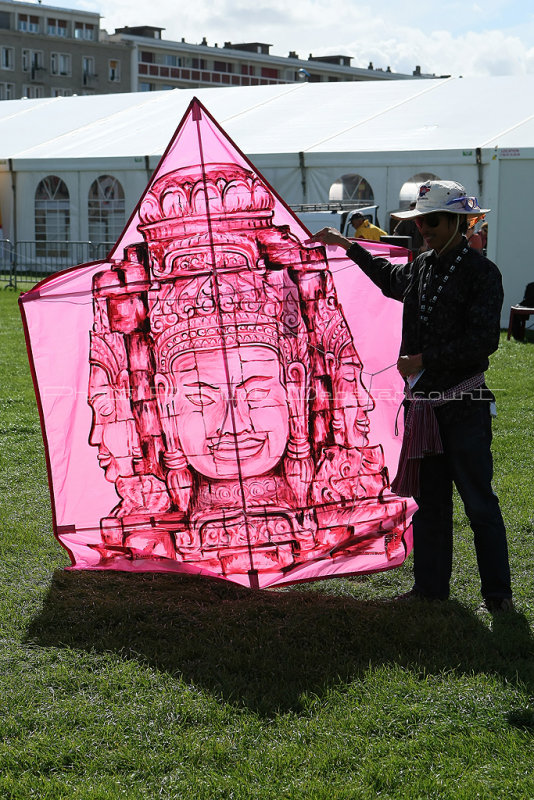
466 461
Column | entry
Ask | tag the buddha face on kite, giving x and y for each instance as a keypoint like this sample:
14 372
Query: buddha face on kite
231 411
226 391
113 429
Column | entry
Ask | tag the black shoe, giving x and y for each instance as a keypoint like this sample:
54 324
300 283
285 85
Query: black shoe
496 605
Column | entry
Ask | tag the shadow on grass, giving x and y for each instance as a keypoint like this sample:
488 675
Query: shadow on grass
264 649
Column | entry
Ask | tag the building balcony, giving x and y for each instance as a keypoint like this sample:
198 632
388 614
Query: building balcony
37 72
190 74
89 79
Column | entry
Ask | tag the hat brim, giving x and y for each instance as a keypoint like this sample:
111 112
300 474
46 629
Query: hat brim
413 212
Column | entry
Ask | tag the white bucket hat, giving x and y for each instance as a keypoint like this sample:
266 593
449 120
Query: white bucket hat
446 196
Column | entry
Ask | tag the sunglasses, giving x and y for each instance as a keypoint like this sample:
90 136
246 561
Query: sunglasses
430 220
467 203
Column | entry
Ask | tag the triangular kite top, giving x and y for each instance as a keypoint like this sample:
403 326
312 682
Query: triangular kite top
198 143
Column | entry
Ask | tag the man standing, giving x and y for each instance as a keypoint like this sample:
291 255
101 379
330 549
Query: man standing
363 229
452 297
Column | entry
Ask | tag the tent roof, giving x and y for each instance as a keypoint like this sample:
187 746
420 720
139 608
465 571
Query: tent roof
366 116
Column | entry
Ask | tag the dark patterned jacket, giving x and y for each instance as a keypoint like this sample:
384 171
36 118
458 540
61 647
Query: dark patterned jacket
464 325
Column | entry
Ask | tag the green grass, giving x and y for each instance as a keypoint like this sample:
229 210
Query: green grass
161 686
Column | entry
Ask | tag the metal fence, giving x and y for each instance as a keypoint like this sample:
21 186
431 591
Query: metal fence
29 262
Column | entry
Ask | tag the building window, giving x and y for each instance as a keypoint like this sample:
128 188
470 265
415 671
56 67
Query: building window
57 27
172 61
7 91
7 58
114 74
198 63
105 209
37 60
31 91
146 56
222 66
146 87
84 30
58 92
28 23
247 69
52 217
32 61
88 70
60 64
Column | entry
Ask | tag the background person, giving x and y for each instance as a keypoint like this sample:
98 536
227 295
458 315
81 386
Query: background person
363 229
408 227
474 239
452 297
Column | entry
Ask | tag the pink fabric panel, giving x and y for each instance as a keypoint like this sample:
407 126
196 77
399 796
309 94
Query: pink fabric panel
219 398
375 322
59 315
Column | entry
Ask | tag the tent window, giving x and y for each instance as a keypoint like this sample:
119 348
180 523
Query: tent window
410 189
352 188
52 217
105 209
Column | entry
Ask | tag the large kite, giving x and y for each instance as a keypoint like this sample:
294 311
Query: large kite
216 398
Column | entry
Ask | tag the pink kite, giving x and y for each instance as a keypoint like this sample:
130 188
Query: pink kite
219 397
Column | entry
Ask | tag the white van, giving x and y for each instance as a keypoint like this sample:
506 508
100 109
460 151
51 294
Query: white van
317 217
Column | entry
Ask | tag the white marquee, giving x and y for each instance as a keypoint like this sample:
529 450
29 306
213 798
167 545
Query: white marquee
303 137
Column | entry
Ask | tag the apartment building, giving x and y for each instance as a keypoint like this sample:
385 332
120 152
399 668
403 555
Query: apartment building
160 64
50 52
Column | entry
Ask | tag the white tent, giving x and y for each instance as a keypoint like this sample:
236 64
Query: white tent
303 138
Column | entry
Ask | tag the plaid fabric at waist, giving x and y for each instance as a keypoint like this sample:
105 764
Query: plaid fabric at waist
421 434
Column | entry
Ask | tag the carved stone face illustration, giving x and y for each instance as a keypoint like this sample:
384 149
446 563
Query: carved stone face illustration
113 429
353 403
231 410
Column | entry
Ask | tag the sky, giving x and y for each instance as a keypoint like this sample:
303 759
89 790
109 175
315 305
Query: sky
443 37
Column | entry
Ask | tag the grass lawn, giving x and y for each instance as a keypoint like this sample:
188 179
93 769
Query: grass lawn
160 686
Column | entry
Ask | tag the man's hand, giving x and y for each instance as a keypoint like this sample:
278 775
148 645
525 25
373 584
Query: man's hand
409 365
331 236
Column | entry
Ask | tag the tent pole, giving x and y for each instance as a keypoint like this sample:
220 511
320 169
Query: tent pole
302 165
480 173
